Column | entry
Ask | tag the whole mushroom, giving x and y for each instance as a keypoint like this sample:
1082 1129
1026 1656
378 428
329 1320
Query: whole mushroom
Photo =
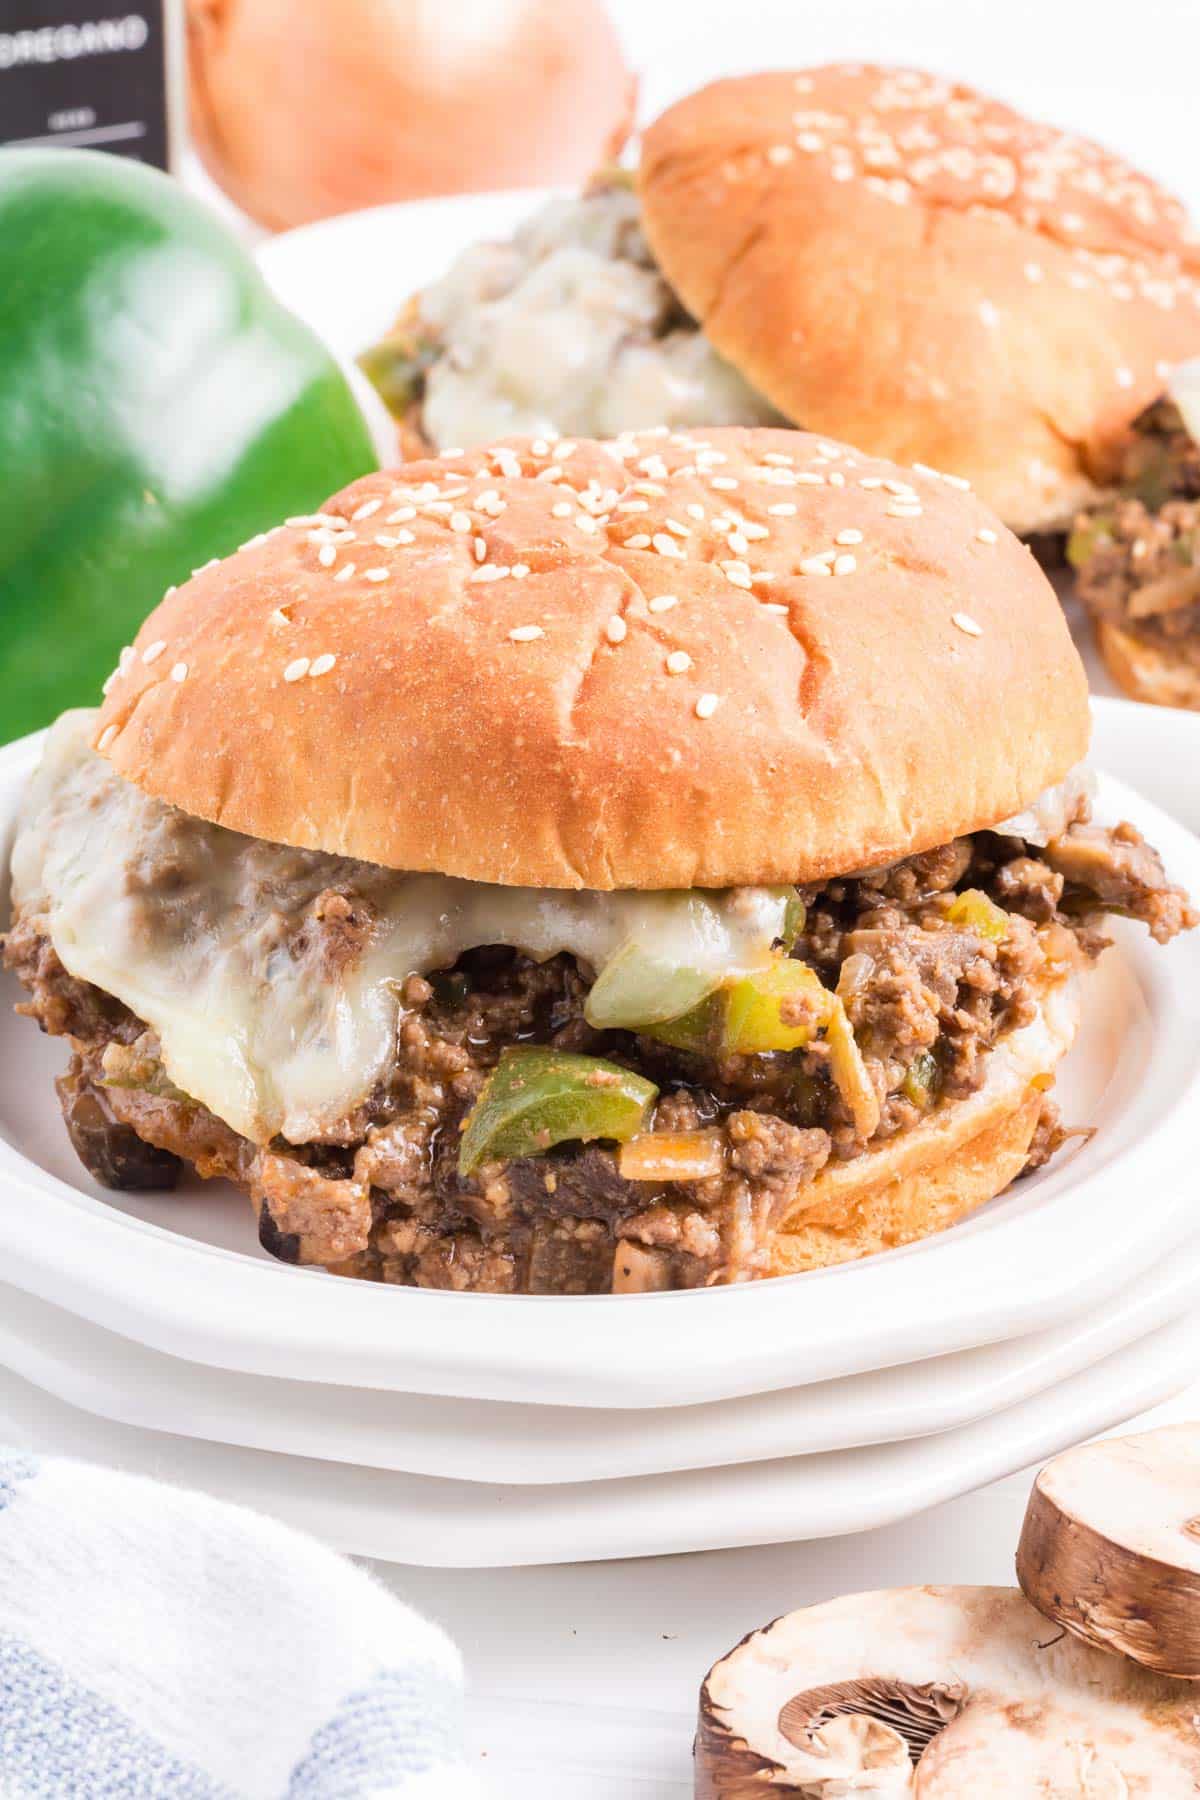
945 1693
1111 1547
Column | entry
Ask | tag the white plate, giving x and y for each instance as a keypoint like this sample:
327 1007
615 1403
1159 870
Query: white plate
418 1519
489 1441
1050 1249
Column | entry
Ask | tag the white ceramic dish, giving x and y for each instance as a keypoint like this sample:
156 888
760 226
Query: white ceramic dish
417 1519
1050 1249
489 1441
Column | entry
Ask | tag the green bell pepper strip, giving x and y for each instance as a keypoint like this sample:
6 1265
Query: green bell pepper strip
778 1007
158 406
536 1098
978 913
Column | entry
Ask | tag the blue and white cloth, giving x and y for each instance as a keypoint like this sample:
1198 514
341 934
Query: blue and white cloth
156 1644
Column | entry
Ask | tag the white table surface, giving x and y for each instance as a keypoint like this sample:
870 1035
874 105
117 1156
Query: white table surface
584 1677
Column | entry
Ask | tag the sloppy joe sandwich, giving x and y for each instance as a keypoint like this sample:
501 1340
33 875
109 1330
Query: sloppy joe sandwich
579 867
877 253
1137 552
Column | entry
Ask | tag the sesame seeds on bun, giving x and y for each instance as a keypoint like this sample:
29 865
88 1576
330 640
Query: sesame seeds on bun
898 260
668 661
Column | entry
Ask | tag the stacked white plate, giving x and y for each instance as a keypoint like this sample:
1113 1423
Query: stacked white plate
463 1429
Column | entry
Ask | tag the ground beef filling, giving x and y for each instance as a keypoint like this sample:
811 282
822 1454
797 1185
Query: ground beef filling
1138 557
383 1198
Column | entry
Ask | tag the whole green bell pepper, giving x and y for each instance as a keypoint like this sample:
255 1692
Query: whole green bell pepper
157 407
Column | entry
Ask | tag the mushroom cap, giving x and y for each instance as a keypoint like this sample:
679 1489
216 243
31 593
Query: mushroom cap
1111 1546
939 1692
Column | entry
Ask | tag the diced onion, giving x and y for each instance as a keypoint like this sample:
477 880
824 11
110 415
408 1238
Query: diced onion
671 1156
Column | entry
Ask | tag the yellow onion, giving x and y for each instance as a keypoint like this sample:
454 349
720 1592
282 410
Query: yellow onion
303 108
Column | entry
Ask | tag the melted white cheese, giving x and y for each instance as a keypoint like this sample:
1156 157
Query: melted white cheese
208 937
568 328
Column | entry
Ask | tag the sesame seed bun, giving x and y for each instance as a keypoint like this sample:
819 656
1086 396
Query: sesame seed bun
947 1166
1148 671
898 260
672 661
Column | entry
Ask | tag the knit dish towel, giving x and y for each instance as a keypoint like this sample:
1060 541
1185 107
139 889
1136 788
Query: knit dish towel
156 1644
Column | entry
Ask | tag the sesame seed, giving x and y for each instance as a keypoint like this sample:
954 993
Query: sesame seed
179 672
836 478
663 603
737 574
694 510
106 737
958 481
153 651
519 571
779 153
870 481
814 565
678 663
849 536
783 509
479 549
639 541
665 545
966 623
375 574
367 509
682 531
280 617
127 656
460 521
296 671
707 705
986 535
902 509
1125 378
525 634
1034 272
327 556
345 572
562 509
723 481
589 527
845 565
401 516
322 664
774 606
899 487
616 629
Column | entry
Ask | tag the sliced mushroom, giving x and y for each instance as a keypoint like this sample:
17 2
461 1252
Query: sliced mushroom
1111 1547
942 1693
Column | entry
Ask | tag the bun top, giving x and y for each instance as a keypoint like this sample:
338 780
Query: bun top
898 260
669 661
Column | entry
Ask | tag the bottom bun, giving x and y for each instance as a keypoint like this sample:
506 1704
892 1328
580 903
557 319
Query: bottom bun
961 1156
1146 671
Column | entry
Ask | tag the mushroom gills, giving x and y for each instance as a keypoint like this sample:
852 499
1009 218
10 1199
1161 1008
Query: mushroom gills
915 1712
